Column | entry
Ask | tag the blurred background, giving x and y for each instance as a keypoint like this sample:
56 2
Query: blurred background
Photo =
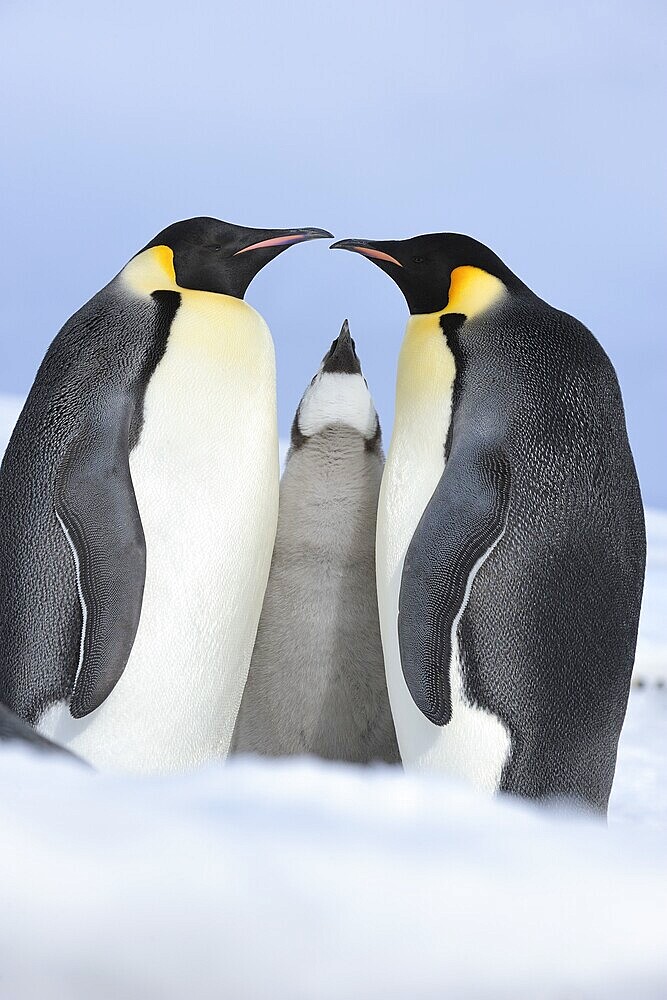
535 127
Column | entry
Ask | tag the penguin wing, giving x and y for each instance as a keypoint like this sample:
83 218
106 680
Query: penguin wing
97 508
464 519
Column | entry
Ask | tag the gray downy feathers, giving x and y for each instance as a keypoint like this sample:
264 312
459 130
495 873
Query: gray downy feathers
316 683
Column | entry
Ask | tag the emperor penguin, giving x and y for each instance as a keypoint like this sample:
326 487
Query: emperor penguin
138 507
510 538
316 683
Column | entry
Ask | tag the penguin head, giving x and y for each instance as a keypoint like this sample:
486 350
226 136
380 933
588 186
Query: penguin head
440 271
338 395
214 256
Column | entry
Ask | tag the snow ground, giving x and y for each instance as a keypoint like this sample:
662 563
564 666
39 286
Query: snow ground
301 881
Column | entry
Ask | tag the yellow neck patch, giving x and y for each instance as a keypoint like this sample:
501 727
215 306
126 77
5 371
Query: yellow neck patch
152 271
426 366
472 291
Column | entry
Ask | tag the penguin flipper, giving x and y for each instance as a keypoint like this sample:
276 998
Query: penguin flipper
462 522
97 508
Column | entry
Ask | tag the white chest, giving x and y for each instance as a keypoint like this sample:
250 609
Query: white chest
205 474
474 744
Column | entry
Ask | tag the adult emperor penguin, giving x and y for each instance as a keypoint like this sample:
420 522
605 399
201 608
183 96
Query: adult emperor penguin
316 683
510 543
138 506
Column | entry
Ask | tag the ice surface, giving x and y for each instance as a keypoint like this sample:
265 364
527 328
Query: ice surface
304 880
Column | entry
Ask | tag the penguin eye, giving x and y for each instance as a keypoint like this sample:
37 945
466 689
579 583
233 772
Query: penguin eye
215 246
418 260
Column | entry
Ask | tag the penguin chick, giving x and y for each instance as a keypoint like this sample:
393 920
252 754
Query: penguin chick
316 683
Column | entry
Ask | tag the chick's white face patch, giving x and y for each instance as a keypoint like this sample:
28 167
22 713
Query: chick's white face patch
337 398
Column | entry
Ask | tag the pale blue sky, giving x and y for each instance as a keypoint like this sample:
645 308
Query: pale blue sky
538 128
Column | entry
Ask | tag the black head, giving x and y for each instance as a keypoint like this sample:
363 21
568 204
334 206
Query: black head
215 256
422 266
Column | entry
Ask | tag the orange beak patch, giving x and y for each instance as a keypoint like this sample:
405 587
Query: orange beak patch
377 254
276 241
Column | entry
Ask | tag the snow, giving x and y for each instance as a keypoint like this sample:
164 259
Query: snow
304 880
639 795
10 407
651 658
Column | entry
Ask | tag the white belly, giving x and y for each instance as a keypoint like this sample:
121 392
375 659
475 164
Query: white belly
205 474
475 744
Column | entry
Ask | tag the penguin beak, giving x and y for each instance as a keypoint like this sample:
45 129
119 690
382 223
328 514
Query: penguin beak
285 238
342 356
367 249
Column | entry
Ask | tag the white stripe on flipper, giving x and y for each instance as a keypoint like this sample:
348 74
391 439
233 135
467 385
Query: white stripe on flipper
84 609
466 597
